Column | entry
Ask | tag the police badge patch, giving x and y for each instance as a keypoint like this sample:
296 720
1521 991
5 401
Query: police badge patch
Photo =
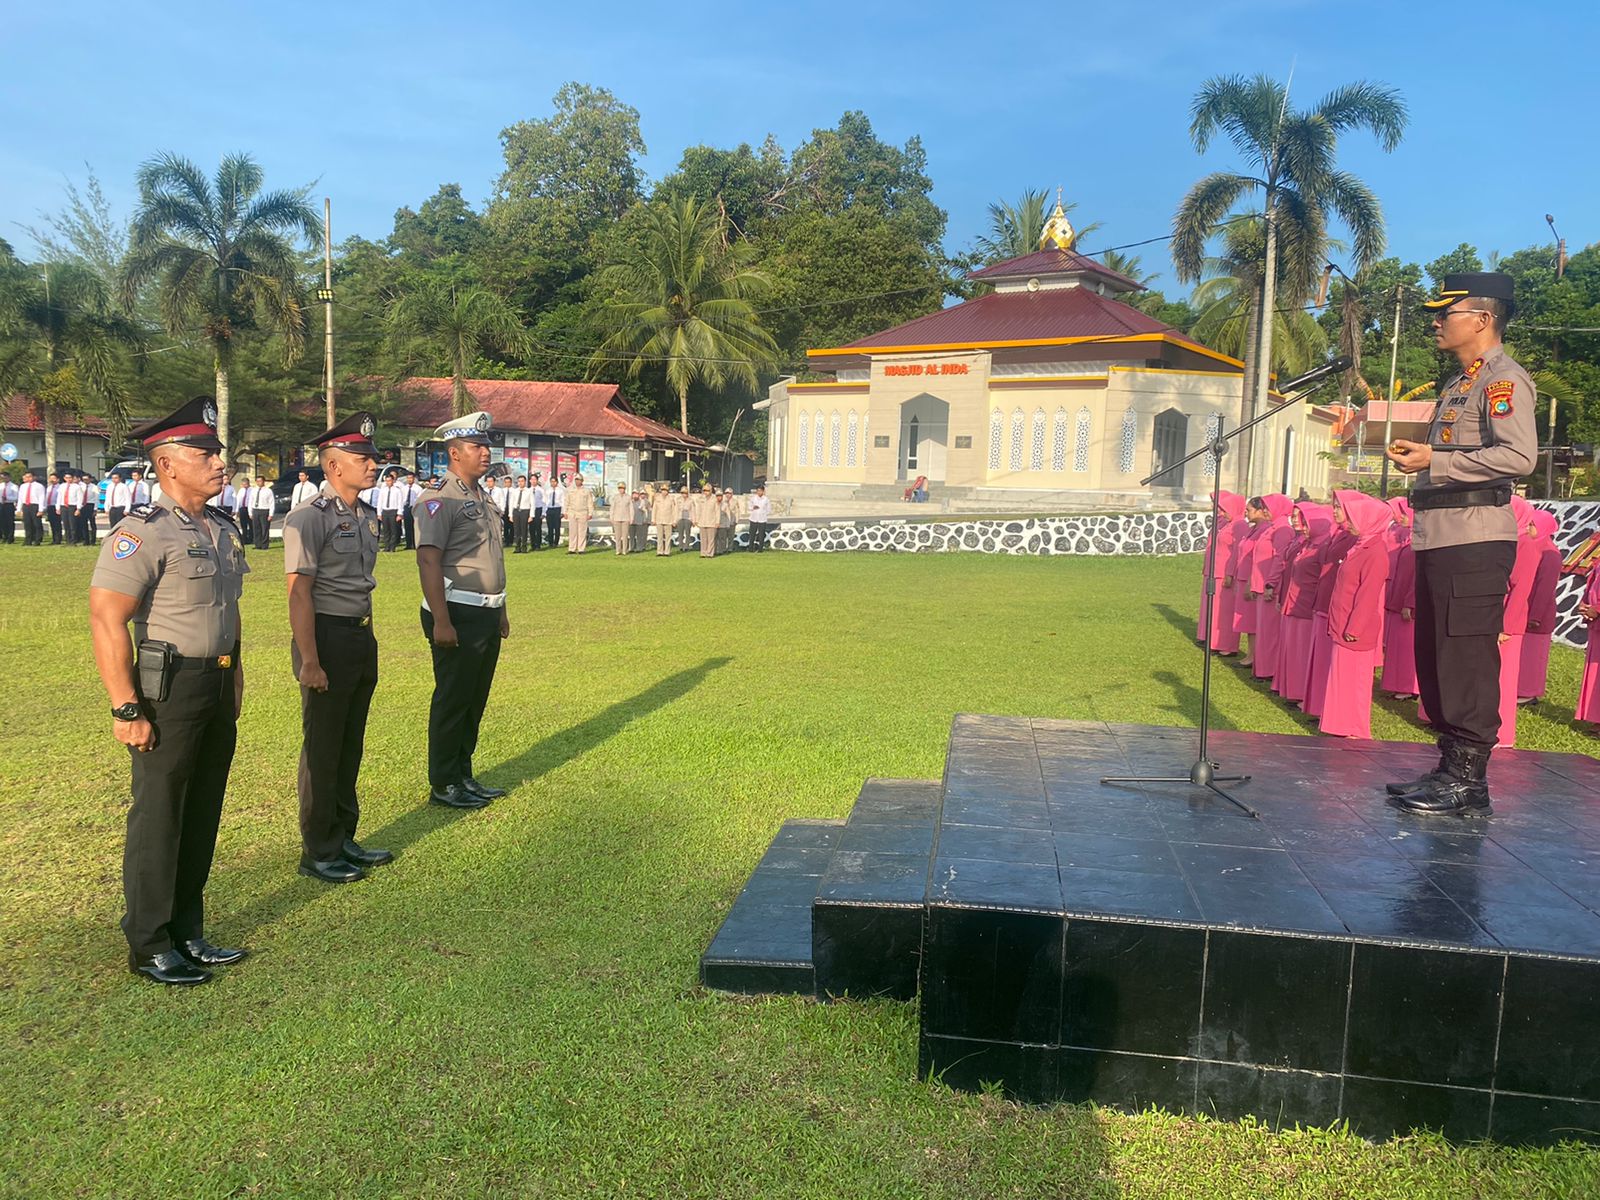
1499 394
124 545
372 526
433 507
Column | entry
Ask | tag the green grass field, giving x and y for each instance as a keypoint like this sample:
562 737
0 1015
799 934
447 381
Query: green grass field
511 1009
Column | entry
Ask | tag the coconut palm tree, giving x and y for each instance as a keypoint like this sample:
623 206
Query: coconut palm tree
680 295
1124 264
1014 229
1226 300
1291 164
220 255
440 326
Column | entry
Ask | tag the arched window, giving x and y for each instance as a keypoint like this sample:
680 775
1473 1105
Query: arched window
1208 464
833 439
852 435
1036 450
1130 430
816 445
805 438
1058 443
1016 440
1080 449
997 429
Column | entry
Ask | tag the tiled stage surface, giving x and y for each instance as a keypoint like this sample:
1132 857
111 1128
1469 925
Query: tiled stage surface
1140 945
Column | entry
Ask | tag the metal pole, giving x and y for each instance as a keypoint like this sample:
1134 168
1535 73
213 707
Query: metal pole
327 305
1550 462
1388 403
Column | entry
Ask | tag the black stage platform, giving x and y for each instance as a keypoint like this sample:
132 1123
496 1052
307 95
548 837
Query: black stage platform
1153 945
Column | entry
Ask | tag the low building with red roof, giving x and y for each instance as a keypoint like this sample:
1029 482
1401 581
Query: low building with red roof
83 440
1048 390
551 428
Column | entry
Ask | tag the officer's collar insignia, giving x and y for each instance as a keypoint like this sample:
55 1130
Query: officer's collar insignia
433 506
339 506
124 545
1472 371
183 516
465 490
320 502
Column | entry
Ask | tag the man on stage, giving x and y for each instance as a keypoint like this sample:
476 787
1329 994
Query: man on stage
1481 441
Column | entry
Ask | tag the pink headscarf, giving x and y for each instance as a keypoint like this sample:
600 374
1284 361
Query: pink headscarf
1367 515
1231 505
1546 523
1279 505
1318 519
1401 507
1524 513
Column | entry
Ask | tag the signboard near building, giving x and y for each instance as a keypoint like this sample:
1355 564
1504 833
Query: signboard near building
592 463
566 464
539 463
517 460
617 470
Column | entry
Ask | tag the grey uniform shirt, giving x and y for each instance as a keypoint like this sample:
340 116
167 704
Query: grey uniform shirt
186 571
338 547
1482 434
464 525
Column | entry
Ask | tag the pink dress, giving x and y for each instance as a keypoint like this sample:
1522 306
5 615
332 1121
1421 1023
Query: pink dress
1244 610
1266 571
1321 641
1534 669
1224 640
1400 634
1589 690
1516 620
1355 618
1301 577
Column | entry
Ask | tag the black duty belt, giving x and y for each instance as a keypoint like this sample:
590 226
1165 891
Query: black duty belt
1486 497
216 662
361 622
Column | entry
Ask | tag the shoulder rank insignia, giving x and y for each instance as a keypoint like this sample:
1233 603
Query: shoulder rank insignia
1499 394
144 512
221 514
320 502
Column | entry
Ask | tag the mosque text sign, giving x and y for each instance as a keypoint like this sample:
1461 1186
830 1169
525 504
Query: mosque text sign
949 368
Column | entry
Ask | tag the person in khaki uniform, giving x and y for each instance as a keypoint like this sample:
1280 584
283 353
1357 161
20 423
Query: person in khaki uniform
579 508
330 549
462 568
663 515
1464 533
622 520
727 520
686 502
175 569
707 516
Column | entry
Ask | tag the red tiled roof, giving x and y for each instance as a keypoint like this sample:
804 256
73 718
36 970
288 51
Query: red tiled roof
1020 316
15 415
591 410
1053 261
1416 412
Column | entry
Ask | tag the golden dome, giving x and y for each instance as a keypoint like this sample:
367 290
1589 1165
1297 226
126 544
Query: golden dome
1058 231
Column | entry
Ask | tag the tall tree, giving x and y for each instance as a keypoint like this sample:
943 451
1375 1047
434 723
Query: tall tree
220 256
1015 226
1226 301
1291 164
442 327
682 297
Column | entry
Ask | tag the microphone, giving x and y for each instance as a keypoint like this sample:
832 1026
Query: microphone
1317 374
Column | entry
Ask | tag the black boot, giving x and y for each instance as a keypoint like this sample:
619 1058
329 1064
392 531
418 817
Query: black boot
1464 790
1438 773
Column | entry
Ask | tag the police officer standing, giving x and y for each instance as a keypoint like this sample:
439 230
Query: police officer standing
461 563
330 547
175 569
1464 533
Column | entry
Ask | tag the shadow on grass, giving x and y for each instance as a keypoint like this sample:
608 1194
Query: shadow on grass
1182 622
1186 700
539 759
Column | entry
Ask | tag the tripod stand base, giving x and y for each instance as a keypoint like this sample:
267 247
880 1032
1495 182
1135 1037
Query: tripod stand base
1202 774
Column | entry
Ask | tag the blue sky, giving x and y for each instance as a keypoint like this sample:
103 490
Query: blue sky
380 103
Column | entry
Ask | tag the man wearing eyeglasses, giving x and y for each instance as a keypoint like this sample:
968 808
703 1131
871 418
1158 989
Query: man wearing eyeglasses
1481 441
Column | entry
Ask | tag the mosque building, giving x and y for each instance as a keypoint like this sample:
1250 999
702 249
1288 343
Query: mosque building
1048 391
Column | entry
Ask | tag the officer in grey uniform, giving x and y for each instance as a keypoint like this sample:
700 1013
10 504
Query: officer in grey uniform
330 547
175 569
1481 440
461 562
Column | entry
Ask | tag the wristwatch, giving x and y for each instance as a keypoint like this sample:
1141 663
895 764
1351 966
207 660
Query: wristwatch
127 712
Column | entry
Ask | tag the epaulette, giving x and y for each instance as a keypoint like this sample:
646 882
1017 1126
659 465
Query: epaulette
227 516
320 502
144 512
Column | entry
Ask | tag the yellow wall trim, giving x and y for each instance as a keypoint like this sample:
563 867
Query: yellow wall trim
1030 380
1025 343
853 385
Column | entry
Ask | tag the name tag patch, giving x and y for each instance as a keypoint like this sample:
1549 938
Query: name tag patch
1499 394
199 552
470 509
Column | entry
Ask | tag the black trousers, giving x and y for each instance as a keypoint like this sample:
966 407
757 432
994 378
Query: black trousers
54 517
8 523
758 534
32 526
244 525
462 677
552 525
1461 599
88 533
535 528
519 530
67 518
391 530
334 724
177 805
261 526
409 523
113 515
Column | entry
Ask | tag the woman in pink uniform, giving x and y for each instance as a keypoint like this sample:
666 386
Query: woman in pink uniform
1355 615
1266 577
1515 626
1244 600
1588 711
1301 576
1535 666
1399 676
1219 548
1339 541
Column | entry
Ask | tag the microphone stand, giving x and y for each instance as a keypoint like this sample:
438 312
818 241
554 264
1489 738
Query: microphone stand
1203 771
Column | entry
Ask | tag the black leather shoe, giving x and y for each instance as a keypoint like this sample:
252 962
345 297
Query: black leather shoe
454 797
332 870
203 954
1432 777
1462 791
353 852
482 790
169 967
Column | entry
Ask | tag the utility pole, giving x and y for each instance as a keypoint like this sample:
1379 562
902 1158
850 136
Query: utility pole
325 294
1388 403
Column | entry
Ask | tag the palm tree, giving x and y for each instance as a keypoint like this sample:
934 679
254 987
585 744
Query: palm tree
442 326
64 340
1226 301
219 256
1014 229
681 295
1125 264
1291 164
